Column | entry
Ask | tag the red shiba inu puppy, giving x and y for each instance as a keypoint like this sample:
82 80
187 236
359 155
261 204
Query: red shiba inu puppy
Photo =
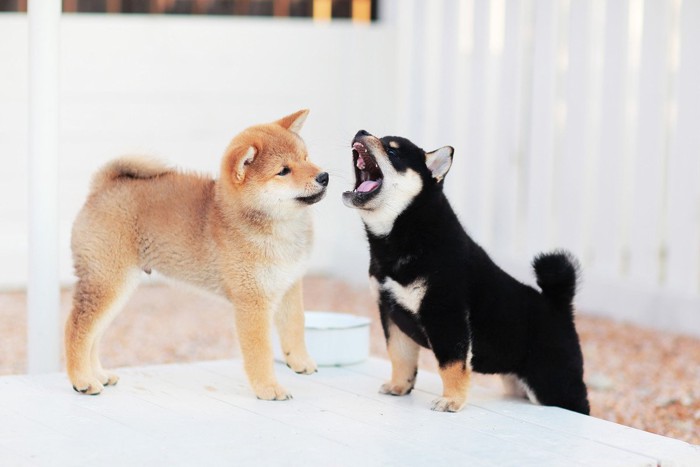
245 236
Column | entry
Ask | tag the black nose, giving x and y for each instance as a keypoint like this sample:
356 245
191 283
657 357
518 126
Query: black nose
322 178
361 133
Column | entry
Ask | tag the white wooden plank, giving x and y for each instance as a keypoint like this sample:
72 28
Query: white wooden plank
476 439
60 428
205 413
683 205
606 433
189 417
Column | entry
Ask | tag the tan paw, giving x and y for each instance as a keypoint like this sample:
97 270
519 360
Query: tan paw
396 389
272 392
303 364
448 404
107 378
89 386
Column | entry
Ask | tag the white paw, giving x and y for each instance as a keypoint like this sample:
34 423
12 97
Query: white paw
448 404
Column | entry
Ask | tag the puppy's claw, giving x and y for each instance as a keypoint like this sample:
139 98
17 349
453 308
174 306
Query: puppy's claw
303 365
447 404
91 389
273 392
395 389
108 379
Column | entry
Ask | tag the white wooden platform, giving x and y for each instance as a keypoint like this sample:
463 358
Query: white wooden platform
205 414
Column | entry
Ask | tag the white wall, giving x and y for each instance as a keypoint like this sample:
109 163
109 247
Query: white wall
180 88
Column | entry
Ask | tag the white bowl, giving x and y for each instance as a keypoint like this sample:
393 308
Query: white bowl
333 339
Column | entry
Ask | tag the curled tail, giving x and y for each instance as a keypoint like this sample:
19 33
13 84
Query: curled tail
557 275
128 167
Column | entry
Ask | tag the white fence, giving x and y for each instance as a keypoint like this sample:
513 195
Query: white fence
576 124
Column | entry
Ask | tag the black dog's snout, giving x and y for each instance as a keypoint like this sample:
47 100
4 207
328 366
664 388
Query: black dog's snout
361 133
322 178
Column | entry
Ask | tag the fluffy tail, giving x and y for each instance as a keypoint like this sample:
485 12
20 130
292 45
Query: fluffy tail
128 167
557 275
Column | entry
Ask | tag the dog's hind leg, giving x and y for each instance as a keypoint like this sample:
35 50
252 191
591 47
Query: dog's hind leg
289 320
97 300
403 352
513 386
552 378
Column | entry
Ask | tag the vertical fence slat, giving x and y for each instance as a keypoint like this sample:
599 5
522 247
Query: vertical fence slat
492 145
541 147
508 149
43 310
645 232
455 185
575 62
592 154
607 229
683 225
410 52
435 40
477 106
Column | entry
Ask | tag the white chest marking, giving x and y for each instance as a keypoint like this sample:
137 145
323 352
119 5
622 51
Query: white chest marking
397 193
410 296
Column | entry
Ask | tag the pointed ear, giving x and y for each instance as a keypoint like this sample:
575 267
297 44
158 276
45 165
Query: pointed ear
295 121
241 162
439 162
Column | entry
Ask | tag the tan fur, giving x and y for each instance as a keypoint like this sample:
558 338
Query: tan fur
244 236
403 352
455 385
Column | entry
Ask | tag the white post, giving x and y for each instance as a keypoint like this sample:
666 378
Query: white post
43 295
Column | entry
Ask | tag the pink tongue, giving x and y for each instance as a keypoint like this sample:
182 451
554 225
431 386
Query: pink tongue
367 185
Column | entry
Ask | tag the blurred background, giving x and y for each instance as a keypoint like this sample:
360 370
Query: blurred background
575 122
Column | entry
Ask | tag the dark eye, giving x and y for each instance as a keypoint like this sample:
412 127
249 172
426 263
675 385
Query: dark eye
391 152
284 171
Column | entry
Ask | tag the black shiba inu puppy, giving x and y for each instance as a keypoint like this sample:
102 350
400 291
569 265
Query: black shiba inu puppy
437 288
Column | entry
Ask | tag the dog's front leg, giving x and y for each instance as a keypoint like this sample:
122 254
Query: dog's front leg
403 352
289 319
451 343
253 319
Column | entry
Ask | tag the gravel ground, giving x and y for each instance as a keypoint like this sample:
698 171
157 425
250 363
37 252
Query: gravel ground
638 377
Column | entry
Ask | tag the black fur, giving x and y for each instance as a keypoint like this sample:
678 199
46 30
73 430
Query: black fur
471 302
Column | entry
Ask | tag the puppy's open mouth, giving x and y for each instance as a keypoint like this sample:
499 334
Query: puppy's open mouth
368 175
